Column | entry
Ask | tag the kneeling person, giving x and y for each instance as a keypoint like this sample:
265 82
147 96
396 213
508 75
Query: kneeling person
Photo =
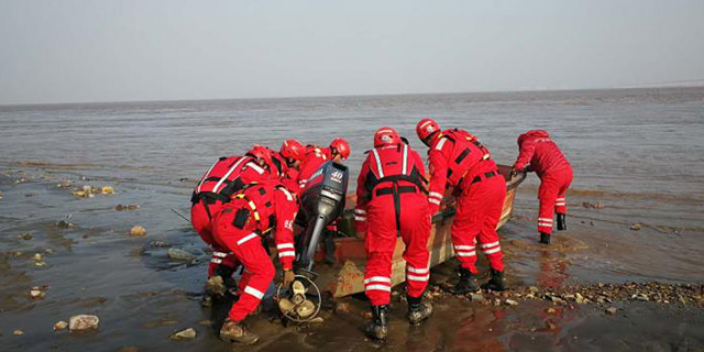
239 227
390 197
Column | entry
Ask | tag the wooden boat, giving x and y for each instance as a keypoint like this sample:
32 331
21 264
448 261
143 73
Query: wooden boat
345 277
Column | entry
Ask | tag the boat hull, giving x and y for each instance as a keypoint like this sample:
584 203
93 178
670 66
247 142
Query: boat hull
346 276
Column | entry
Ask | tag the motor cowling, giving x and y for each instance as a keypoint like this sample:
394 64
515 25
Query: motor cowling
322 201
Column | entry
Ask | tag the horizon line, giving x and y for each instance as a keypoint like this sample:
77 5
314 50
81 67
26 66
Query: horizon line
696 83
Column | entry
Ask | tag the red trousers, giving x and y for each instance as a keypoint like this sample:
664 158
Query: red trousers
551 194
246 246
479 208
380 242
202 224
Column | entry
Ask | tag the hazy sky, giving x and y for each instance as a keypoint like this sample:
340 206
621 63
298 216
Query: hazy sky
75 51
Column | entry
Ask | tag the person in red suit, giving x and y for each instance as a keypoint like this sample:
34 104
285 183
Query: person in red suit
539 153
457 159
316 156
223 179
287 162
239 227
391 199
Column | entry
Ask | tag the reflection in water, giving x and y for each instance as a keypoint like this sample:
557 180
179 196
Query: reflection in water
553 268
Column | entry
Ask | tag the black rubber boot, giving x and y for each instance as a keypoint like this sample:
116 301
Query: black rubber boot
561 222
418 310
466 284
377 329
497 281
544 238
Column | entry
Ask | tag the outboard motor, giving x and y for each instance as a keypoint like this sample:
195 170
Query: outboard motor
323 201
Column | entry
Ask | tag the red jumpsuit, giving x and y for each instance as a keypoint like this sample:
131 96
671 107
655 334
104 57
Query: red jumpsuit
458 159
313 159
239 227
553 169
391 200
227 176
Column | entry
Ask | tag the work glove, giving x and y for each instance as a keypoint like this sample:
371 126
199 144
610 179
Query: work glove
289 278
512 174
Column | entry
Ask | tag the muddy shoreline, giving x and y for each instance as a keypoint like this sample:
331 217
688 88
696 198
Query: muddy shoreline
561 295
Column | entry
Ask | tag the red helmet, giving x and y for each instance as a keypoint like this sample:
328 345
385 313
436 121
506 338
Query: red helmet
260 152
293 149
340 146
426 128
386 136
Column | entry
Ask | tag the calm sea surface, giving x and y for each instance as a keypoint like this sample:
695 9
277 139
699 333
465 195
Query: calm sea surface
646 140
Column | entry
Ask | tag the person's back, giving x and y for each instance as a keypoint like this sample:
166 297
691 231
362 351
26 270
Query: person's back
312 160
391 199
457 159
541 152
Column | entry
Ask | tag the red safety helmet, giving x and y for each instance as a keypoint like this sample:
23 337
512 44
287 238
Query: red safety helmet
386 136
426 128
340 146
260 152
292 149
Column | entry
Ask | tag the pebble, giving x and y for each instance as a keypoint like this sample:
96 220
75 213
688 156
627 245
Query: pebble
18 332
533 289
180 254
590 205
476 297
128 349
511 302
188 334
159 244
37 293
64 224
551 311
342 308
83 322
138 231
107 190
26 236
611 310
60 325
636 227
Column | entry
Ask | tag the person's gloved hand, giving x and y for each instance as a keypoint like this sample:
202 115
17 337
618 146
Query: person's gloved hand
289 278
512 174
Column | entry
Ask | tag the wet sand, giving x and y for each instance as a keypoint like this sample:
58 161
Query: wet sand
94 266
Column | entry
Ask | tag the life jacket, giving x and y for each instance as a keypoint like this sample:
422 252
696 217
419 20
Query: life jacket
221 180
313 159
467 153
260 207
393 172
319 152
392 164
278 164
